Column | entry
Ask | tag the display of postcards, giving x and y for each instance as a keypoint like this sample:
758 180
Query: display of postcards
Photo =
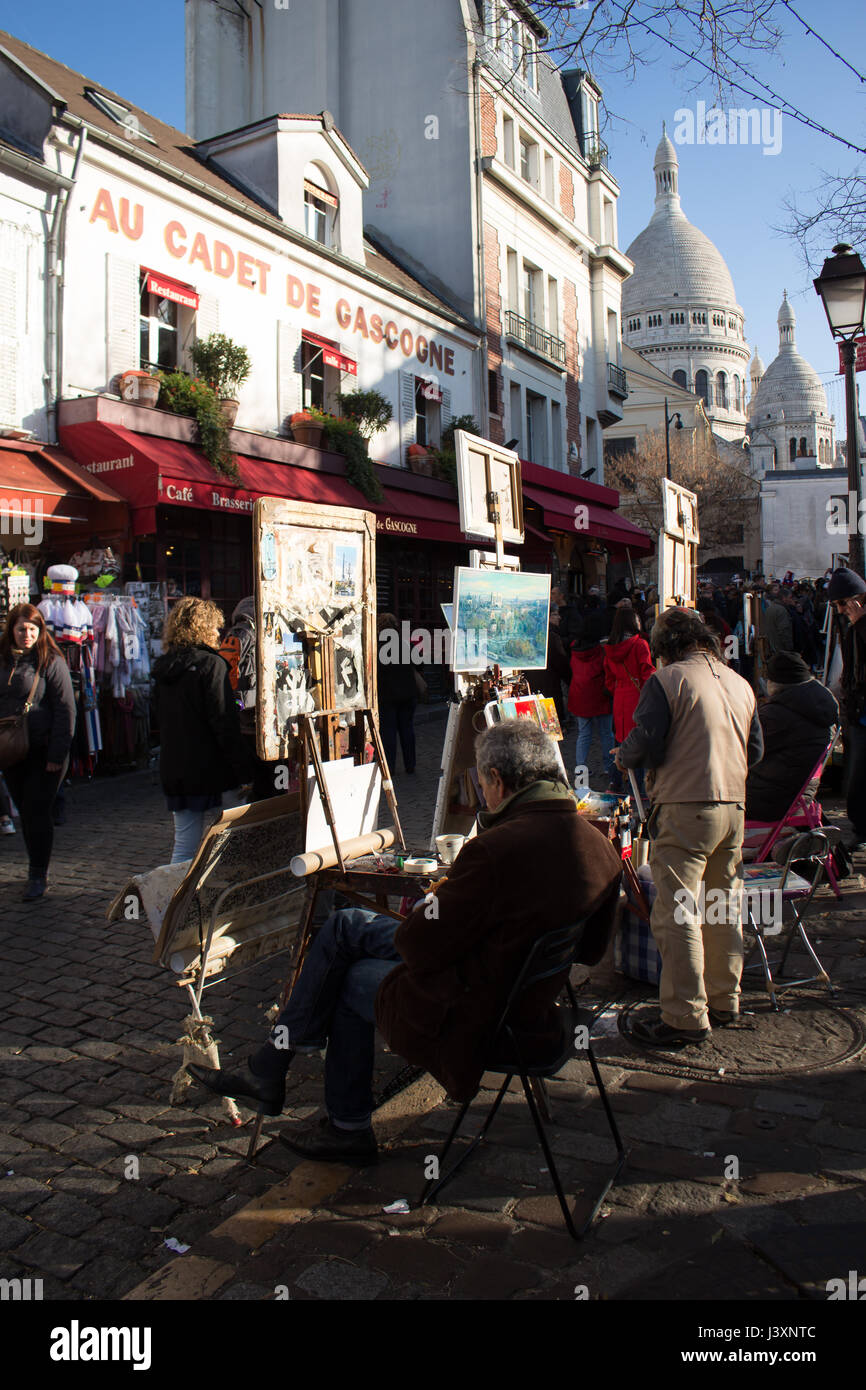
346 571
549 718
500 618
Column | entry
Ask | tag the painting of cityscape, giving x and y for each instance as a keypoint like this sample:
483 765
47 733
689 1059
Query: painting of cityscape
500 618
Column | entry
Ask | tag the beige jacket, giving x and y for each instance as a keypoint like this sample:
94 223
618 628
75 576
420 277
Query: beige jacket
696 726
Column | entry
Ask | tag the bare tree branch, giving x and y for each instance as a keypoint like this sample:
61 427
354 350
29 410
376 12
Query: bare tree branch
726 491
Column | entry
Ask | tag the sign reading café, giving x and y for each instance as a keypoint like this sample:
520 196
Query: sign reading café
199 251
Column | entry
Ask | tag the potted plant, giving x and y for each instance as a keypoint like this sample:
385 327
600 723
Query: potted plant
184 395
419 460
344 437
139 387
307 428
225 366
371 411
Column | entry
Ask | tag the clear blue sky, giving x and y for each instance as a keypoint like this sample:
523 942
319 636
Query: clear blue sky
735 194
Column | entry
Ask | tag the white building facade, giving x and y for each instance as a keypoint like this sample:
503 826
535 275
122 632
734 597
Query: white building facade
487 179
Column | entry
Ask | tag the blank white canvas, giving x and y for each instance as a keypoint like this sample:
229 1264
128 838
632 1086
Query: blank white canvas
354 793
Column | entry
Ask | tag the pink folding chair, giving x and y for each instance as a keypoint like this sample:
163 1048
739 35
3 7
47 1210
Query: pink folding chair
800 815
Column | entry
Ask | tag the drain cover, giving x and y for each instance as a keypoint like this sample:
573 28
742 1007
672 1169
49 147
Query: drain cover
809 1034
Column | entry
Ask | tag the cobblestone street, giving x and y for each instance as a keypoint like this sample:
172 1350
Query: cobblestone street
746 1175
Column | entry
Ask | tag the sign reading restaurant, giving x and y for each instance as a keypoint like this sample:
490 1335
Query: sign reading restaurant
201 251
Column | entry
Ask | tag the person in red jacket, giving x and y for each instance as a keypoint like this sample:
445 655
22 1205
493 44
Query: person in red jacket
588 698
627 667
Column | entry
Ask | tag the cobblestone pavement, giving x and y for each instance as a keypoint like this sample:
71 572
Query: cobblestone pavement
746 1177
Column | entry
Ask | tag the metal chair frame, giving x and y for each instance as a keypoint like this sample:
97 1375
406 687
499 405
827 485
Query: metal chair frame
550 955
800 815
814 847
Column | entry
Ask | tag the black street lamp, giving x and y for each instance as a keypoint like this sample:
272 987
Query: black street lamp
842 287
669 420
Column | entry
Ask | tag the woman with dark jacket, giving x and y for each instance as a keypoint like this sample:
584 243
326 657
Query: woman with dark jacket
201 750
796 721
33 672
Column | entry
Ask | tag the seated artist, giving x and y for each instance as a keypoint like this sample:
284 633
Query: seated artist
796 721
436 983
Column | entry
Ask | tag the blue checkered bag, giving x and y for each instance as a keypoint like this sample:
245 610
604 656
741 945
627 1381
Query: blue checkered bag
635 953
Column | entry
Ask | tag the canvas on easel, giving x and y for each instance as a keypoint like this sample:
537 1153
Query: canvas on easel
678 547
315 615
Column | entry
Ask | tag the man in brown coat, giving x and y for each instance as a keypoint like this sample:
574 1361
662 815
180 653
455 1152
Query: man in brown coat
437 982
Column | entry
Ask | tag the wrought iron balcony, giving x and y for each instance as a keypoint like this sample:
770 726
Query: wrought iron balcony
534 338
594 151
617 384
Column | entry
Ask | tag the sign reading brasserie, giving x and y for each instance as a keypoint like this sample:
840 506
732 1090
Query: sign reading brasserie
206 253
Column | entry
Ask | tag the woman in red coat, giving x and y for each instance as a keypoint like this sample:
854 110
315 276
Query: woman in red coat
627 667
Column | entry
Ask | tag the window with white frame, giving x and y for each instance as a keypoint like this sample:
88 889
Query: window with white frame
533 309
159 336
321 384
321 206
427 414
528 159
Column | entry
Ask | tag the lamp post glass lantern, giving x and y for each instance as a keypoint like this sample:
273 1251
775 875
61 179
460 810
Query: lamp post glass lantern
842 287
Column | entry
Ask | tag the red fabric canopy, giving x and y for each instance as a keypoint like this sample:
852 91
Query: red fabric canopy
152 472
577 517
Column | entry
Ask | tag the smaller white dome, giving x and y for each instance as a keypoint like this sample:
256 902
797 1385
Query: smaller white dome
786 312
756 366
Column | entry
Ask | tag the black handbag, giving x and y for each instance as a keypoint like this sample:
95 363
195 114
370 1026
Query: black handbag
14 734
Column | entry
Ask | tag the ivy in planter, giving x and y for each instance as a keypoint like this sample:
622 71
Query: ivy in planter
184 395
344 437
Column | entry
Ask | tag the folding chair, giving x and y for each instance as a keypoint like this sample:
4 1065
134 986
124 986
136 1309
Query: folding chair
814 847
800 815
551 955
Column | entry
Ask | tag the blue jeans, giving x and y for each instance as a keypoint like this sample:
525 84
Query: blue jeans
188 830
604 725
333 1001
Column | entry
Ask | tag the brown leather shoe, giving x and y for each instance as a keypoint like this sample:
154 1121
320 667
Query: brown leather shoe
326 1141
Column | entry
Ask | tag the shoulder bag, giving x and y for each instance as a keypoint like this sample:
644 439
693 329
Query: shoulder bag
14 734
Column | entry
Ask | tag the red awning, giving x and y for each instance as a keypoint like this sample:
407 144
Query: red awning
317 192
168 288
331 354
37 480
580 518
153 472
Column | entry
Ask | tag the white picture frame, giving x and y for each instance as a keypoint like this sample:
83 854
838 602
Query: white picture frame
483 466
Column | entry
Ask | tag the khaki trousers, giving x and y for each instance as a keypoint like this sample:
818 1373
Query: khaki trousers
696 857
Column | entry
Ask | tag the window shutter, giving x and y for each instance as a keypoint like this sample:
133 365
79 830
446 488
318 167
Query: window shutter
289 380
207 319
407 408
445 415
9 345
122 303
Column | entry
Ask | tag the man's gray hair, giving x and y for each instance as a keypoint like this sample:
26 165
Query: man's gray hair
519 752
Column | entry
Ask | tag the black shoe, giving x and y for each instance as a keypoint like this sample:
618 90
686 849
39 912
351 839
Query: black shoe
36 888
326 1141
723 1018
268 1093
654 1032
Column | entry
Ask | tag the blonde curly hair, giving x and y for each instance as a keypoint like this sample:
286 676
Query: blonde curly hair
191 623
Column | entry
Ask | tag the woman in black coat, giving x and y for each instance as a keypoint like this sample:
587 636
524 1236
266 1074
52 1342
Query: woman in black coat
201 750
29 653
